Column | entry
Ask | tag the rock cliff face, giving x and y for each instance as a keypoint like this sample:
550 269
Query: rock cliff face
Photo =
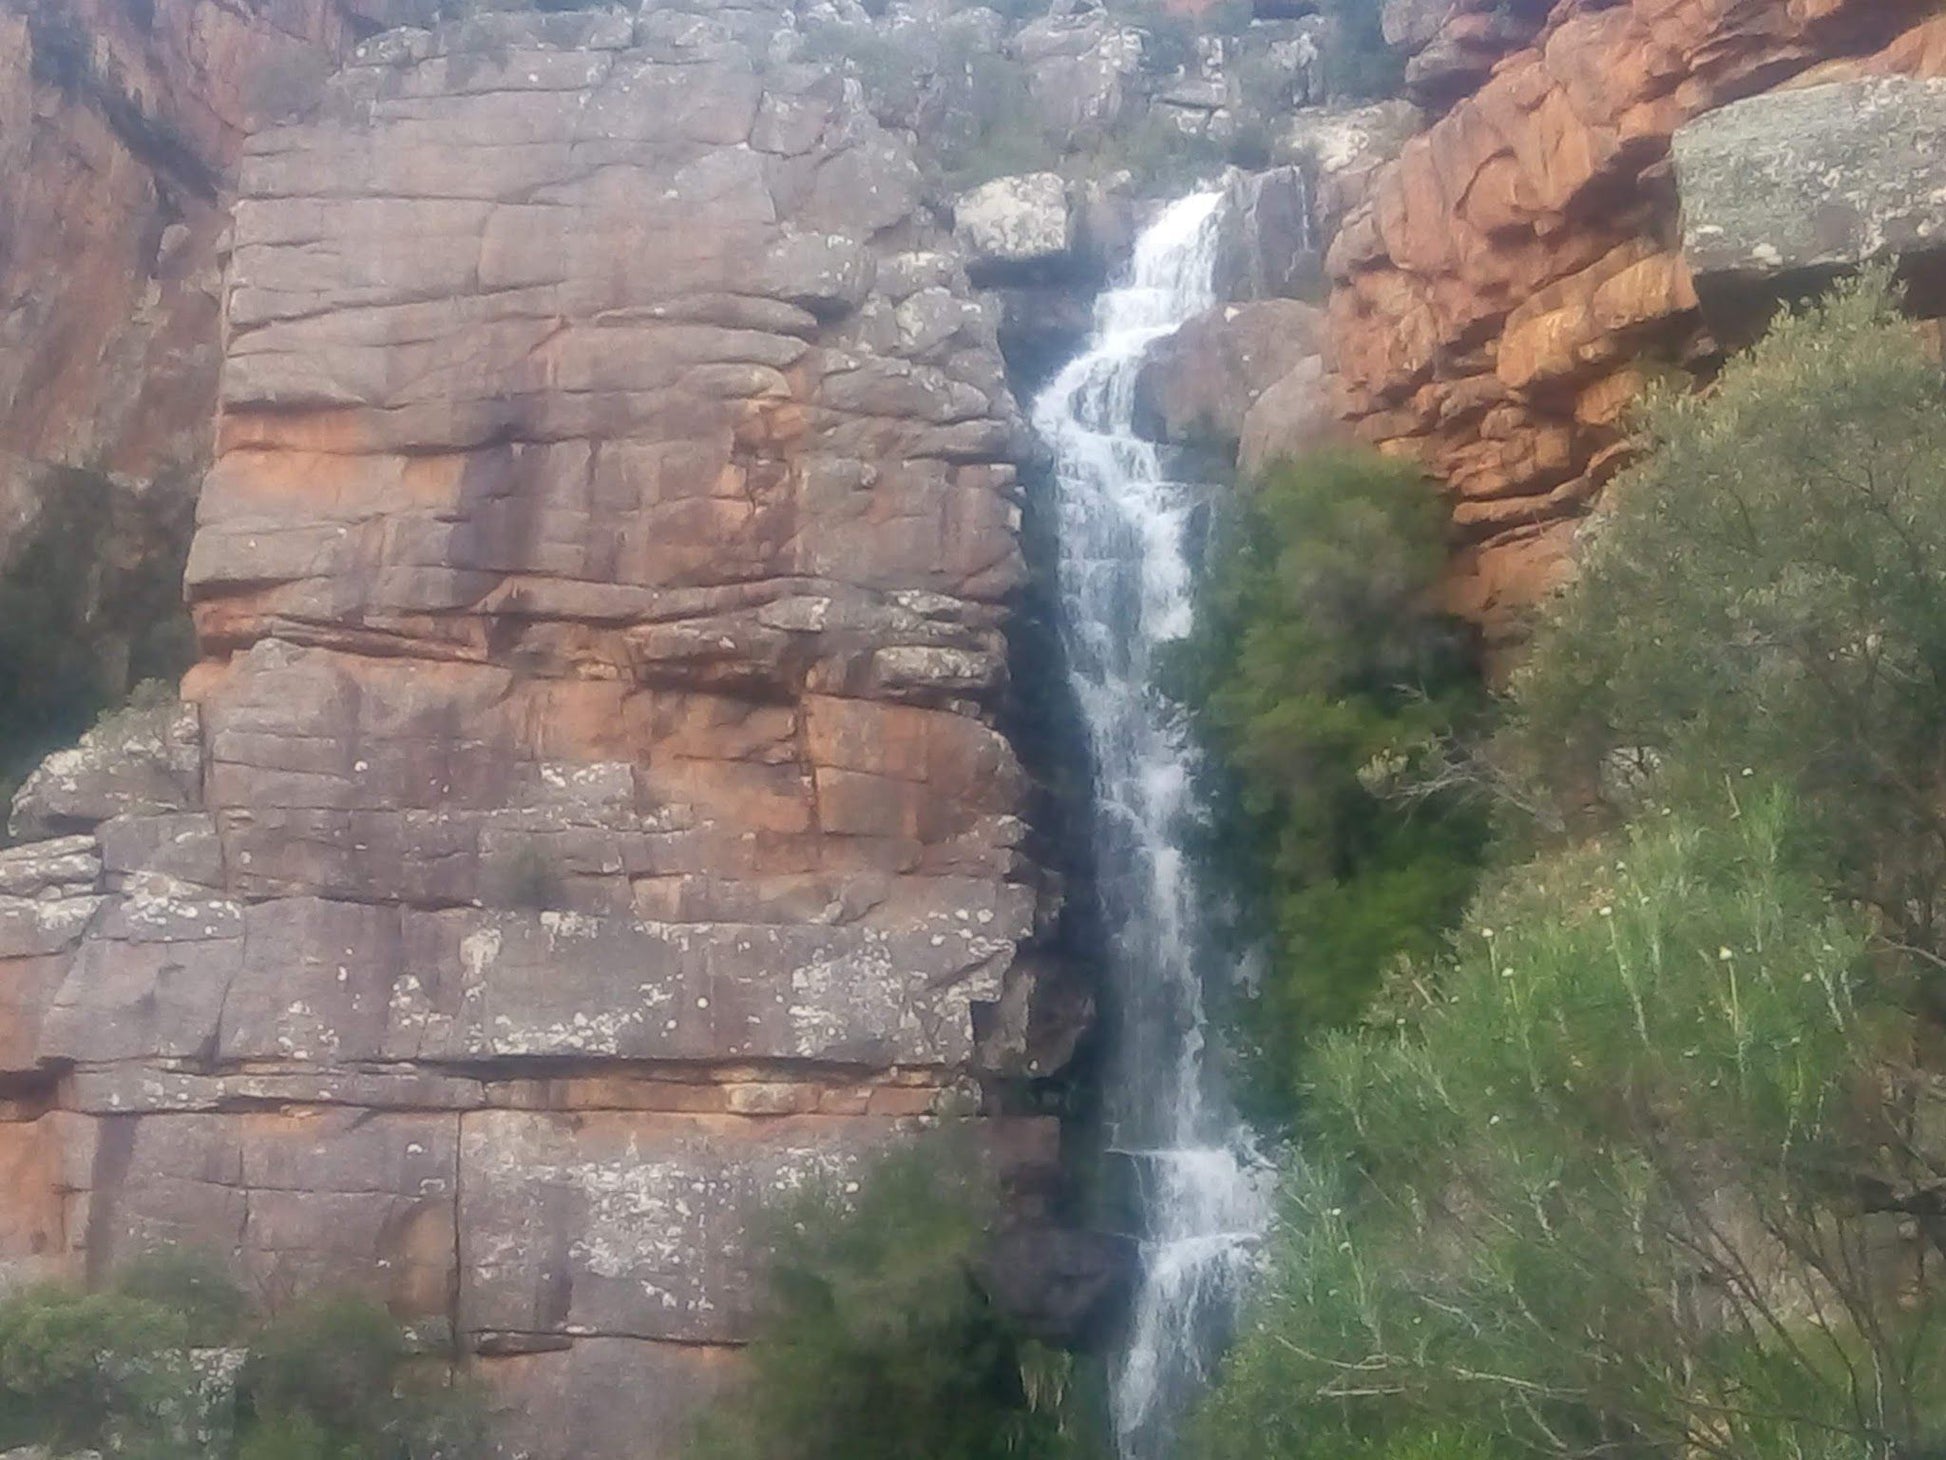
587 818
1516 277
120 127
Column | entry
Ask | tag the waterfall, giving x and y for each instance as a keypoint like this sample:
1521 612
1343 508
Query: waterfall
1125 586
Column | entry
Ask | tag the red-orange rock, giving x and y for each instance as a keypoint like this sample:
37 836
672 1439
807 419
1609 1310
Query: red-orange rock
1526 240
591 815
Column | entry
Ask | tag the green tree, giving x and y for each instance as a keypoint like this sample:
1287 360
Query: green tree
1609 1187
84 1370
1769 595
118 1371
877 1344
335 1378
1319 679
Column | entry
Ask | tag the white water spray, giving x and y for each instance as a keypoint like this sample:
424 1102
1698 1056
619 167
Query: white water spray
1125 590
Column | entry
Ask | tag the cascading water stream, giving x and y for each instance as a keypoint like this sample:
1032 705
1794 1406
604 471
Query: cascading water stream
1125 590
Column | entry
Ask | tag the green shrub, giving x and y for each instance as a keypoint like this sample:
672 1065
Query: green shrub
194 1285
1601 1190
876 1344
331 1379
335 1376
1318 678
79 1369
1769 595
332 1359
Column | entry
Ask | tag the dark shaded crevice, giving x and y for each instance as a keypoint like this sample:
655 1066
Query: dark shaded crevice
63 57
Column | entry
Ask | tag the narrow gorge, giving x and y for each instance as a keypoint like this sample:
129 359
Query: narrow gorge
681 513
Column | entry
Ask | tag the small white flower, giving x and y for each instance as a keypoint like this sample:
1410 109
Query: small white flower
1724 955
1607 911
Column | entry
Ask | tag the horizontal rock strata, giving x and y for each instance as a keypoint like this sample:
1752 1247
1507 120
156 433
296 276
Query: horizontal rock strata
587 820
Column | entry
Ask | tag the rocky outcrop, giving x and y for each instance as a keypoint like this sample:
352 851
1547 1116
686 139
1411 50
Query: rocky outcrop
1084 71
1012 224
1201 383
587 818
120 126
1267 243
1783 191
1452 46
1516 275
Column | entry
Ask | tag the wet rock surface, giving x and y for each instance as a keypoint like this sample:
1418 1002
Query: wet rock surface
587 819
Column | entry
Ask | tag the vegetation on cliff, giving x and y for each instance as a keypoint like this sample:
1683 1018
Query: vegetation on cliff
1646 1163
169 1363
877 1342
1322 682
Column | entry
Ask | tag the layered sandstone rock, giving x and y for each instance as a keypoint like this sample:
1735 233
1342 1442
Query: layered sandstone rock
587 819
1515 278
120 126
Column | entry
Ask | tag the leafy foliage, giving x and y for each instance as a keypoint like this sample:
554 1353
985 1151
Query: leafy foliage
1643 1166
77 1369
1770 594
1601 1191
878 1345
1318 677
335 1377
118 1371
193 1285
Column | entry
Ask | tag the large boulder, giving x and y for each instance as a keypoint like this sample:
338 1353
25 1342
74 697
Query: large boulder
1780 192
1289 419
1200 383
1063 1285
1268 244
1013 224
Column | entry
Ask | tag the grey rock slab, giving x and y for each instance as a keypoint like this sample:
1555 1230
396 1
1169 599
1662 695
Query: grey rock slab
1023 219
1784 189
600 1397
142 760
626 1223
